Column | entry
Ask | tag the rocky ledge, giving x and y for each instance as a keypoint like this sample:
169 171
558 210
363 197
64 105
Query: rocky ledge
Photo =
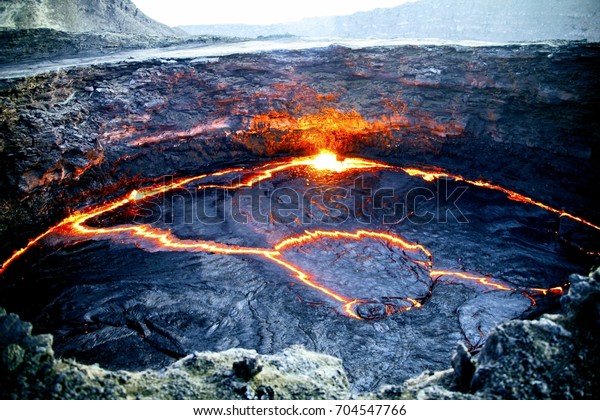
553 357
29 370
29 45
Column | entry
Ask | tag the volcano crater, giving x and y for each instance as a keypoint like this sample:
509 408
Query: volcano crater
263 206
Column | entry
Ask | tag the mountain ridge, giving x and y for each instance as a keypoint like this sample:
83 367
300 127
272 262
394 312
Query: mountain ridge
481 20
95 16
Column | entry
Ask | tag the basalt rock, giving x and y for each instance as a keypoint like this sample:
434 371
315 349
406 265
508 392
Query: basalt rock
29 370
81 136
553 357
511 114
31 45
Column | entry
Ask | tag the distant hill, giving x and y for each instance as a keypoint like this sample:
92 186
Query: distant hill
97 16
479 20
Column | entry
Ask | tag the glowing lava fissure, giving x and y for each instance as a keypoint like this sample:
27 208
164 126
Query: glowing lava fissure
75 227
431 175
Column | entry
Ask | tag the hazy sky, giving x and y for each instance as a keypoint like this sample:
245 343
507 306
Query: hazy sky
189 12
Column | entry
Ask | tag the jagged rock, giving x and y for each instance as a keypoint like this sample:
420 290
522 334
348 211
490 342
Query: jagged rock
428 385
28 370
246 369
554 357
463 368
523 360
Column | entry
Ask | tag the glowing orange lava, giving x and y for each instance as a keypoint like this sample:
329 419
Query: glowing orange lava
485 281
329 129
327 161
430 175
358 235
76 227
335 130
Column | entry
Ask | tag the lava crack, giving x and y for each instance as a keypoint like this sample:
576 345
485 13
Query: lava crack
416 261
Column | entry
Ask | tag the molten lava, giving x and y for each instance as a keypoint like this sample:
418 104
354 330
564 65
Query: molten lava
335 130
358 236
431 175
76 227
327 161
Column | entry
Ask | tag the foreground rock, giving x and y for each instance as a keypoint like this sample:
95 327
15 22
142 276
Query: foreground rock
29 371
554 357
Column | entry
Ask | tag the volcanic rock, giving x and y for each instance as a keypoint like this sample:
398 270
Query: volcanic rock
516 115
29 370
32 45
463 368
78 137
553 357
154 118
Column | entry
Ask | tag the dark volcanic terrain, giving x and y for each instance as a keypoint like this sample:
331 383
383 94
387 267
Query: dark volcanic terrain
522 117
